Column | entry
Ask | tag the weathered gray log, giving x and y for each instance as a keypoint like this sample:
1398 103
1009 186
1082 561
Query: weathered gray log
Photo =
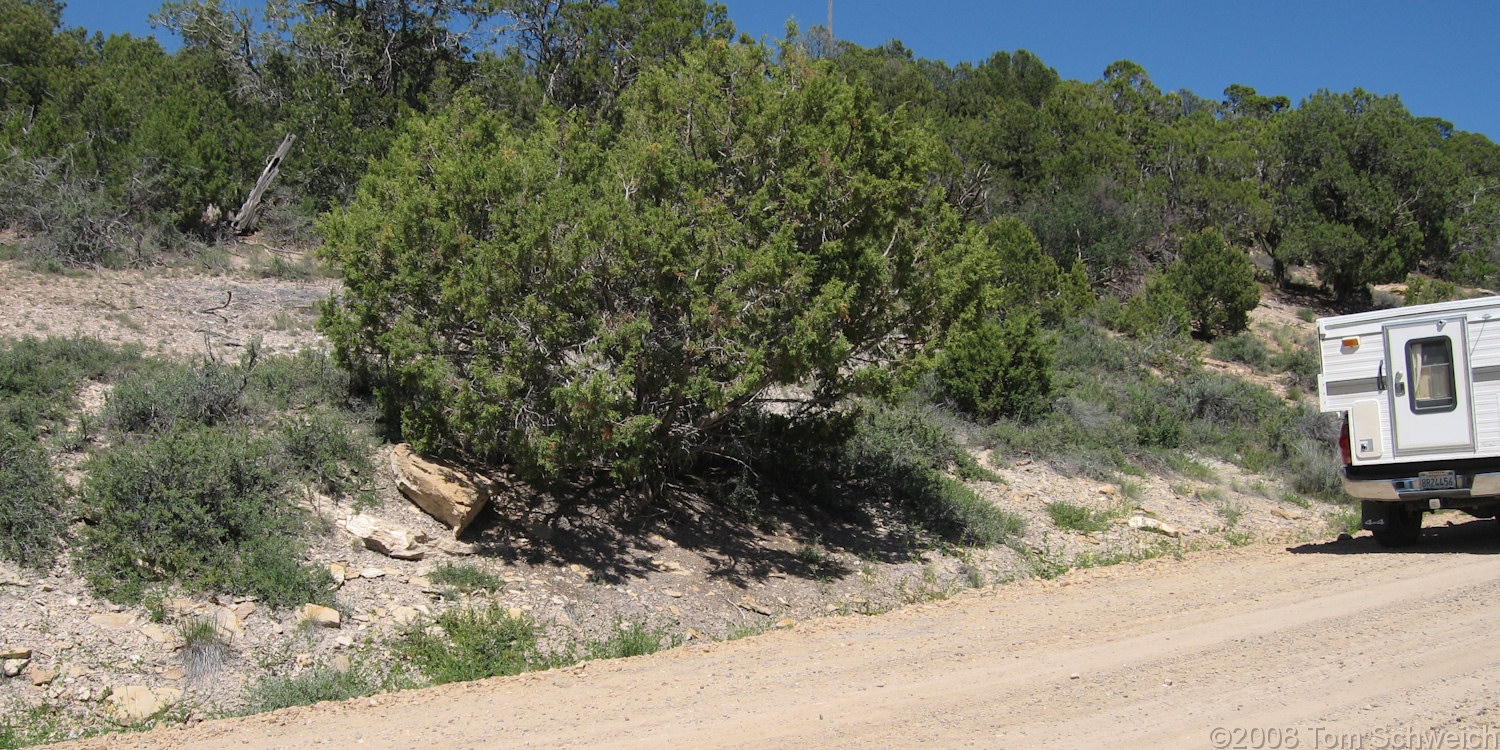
244 221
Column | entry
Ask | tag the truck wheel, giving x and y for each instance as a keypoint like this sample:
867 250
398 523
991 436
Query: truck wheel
1402 528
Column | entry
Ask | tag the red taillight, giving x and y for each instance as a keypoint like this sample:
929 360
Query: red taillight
1344 451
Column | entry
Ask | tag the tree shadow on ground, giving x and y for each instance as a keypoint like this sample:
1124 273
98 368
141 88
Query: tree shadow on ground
617 536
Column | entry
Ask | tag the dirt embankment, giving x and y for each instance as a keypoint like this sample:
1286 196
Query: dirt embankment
1329 644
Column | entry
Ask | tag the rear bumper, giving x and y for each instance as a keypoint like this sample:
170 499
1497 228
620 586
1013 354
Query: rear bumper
1471 488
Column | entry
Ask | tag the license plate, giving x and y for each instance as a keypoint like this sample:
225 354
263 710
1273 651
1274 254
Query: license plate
1437 480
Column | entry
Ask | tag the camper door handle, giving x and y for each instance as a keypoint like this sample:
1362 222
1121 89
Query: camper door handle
1400 386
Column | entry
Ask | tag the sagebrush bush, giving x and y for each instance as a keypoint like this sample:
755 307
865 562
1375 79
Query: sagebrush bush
1243 348
1301 363
202 507
999 369
33 514
903 451
171 394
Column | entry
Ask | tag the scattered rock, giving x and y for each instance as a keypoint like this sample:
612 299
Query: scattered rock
786 622
339 572
323 617
175 673
40 677
156 632
13 667
227 623
404 615
447 492
112 621
340 663
386 539
1151 524
344 641
129 704
672 593
8 653
1287 514
371 573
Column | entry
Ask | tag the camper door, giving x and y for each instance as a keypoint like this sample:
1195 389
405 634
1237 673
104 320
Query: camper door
1429 387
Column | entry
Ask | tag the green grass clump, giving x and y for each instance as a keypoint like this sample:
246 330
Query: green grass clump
202 507
203 648
465 578
634 638
315 684
1066 515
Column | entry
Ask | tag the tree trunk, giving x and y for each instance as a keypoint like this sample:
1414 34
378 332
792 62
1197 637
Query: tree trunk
244 221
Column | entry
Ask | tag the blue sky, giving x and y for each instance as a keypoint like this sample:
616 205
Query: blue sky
1441 56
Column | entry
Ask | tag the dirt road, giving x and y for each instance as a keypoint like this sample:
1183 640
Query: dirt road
1332 644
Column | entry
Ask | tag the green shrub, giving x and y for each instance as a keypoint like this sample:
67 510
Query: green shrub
33 514
999 369
1421 290
326 450
1243 348
1217 282
40 376
466 644
202 507
312 685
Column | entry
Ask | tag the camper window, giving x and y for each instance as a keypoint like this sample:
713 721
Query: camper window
1430 365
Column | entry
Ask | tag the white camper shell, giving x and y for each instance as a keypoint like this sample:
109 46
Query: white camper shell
1420 390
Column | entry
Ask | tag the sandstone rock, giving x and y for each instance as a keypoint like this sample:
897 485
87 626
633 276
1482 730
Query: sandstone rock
13 667
371 573
227 623
404 615
447 492
156 633
338 571
454 548
243 610
323 617
40 677
386 539
113 621
786 622
1151 524
8 653
175 673
340 663
1287 514
129 704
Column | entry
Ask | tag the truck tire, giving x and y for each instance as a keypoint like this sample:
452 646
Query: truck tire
1402 527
